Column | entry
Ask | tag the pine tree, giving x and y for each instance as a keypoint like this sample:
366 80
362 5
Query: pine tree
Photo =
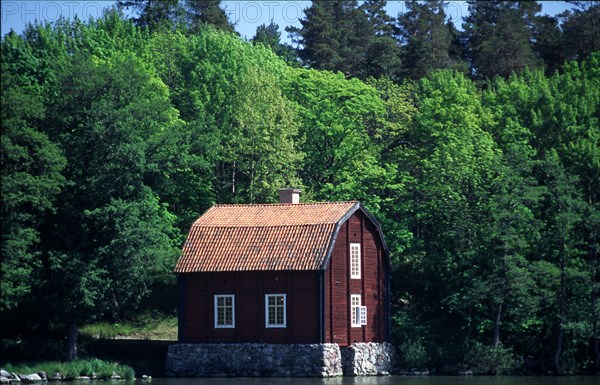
153 13
427 38
207 12
498 37
341 36
383 51
581 30
269 36
548 42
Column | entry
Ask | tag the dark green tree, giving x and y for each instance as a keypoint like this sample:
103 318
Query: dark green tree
209 12
324 35
426 37
120 237
269 36
340 36
153 14
383 57
548 42
498 37
32 167
581 30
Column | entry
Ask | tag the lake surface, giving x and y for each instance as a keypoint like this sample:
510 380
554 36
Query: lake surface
390 380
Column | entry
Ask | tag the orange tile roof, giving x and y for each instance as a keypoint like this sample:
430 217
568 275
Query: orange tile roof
263 237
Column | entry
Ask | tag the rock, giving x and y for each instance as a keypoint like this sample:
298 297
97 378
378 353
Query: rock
14 377
83 378
43 376
4 380
4 373
55 377
465 373
29 378
115 376
146 378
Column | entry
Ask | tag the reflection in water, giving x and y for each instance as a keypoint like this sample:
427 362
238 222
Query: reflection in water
391 380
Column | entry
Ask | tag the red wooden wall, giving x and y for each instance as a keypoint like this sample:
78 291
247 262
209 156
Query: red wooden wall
301 289
372 285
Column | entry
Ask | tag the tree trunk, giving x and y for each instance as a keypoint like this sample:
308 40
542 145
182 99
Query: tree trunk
561 313
595 337
496 337
72 341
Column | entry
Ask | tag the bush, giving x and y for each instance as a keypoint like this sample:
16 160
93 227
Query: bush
72 370
127 372
413 355
484 359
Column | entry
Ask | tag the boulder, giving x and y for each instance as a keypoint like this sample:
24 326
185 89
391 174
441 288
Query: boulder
56 377
4 373
29 378
14 377
4 380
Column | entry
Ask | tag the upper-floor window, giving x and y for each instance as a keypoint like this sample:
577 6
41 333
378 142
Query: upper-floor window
224 311
359 313
275 312
355 260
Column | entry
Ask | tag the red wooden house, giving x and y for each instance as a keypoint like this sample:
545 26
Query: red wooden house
284 273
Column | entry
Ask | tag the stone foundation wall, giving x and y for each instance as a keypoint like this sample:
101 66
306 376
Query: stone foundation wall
279 360
368 359
254 360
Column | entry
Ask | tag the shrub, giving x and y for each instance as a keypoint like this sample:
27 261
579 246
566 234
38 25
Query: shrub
127 372
484 359
413 355
72 370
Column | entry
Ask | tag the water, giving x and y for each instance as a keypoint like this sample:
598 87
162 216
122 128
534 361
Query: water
390 380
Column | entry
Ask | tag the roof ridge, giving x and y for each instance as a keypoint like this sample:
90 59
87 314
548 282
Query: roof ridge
259 225
281 204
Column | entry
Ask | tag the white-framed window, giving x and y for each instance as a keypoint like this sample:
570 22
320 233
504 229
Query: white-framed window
275 312
359 313
355 260
224 311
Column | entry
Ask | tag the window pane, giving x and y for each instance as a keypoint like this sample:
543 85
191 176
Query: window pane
275 310
355 260
224 311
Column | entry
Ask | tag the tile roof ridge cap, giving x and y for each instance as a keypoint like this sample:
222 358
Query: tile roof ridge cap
281 204
229 226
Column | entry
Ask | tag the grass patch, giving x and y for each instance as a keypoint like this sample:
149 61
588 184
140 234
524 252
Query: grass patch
149 327
72 370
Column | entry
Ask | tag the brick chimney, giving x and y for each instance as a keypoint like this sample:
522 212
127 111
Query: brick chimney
289 195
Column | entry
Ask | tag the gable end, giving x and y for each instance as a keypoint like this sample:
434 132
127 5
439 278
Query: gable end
356 207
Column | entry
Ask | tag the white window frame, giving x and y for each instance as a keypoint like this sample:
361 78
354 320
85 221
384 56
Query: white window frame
216 311
279 325
355 302
355 265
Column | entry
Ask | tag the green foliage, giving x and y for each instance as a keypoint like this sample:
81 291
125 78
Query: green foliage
72 370
489 360
32 167
498 37
427 39
412 355
341 36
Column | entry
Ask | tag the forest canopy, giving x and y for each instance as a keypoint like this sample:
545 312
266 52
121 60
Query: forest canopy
485 174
